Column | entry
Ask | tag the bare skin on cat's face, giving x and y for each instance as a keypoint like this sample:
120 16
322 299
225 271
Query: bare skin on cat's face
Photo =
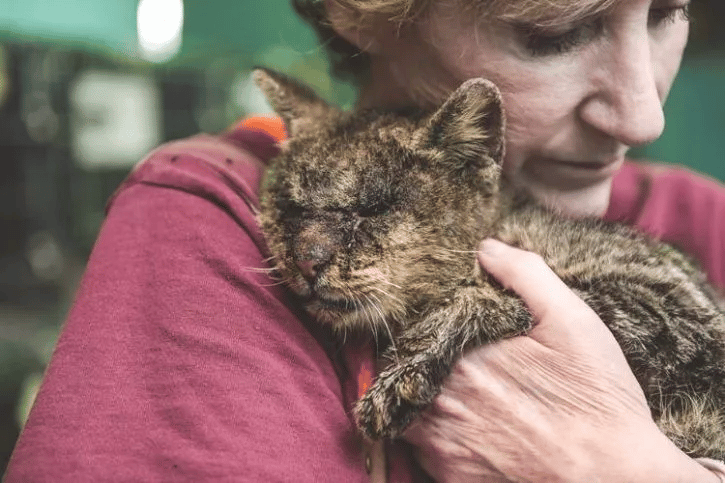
358 260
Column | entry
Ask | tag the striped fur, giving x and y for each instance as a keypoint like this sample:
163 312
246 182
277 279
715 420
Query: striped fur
374 218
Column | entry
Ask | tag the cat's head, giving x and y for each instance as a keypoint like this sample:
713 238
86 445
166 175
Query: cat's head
370 214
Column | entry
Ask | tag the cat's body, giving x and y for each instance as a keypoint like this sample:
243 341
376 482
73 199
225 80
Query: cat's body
374 219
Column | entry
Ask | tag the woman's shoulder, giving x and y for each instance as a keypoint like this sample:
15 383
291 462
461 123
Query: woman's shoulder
178 333
676 205
224 169
203 163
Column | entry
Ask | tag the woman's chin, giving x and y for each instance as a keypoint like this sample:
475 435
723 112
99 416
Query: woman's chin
590 201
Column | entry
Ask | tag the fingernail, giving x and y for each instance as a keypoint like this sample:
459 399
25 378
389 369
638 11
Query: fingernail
490 247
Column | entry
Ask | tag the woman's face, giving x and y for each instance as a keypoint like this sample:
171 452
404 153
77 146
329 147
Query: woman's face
577 94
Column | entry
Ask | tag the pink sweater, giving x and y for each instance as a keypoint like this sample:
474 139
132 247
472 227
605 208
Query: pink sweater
182 361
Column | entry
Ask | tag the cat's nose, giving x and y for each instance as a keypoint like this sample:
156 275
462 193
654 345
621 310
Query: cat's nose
311 265
307 268
314 250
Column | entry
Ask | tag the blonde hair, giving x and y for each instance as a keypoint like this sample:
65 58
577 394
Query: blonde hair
348 62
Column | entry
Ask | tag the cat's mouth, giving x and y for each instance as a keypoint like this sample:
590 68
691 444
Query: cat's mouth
318 299
337 311
335 307
339 304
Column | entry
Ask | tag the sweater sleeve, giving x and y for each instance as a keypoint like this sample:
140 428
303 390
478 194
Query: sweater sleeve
677 206
180 359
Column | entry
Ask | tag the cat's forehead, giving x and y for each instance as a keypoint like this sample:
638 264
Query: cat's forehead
339 173
355 145
351 157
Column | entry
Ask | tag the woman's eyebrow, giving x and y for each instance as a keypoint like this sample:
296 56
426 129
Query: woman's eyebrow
547 23
670 3
561 14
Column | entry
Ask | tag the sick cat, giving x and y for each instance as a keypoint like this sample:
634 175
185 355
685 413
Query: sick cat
374 218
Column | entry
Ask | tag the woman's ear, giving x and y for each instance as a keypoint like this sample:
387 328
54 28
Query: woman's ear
364 33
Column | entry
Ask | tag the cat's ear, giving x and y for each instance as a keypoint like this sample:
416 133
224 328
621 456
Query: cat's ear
468 129
298 105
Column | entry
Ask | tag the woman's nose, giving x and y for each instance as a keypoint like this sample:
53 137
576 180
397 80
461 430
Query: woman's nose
626 99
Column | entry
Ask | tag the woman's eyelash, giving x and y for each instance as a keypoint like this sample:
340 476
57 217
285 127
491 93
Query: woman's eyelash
540 44
667 15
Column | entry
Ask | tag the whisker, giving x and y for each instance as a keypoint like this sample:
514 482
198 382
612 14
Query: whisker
388 295
388 282
369 318
260 269
274 284
451 250
344 336
385 324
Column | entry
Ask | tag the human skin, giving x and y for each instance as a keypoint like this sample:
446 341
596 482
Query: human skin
571 115
559 404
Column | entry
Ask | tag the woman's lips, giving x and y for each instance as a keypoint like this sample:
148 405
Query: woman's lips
568 175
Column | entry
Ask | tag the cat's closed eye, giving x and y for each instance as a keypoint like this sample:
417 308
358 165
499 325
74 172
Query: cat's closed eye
377 199
289 209
378 208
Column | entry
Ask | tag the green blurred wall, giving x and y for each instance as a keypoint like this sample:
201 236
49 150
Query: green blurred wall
105 24
236 34
244 26
210 26
695 118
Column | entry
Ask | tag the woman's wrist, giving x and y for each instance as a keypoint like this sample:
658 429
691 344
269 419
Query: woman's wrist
685 470
631 451
660 461
716 467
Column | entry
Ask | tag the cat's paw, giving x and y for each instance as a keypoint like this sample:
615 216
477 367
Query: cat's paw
393 401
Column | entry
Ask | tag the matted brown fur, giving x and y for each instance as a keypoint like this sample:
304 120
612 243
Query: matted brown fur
374 218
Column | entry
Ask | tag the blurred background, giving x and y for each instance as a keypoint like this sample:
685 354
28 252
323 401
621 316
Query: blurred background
88 86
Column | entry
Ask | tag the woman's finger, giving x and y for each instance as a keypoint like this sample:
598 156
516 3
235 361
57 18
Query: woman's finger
527 274
560 315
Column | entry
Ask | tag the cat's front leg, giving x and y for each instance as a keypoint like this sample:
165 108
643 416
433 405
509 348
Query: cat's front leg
423 355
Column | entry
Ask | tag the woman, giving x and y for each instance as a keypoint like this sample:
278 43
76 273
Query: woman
582 82
180 363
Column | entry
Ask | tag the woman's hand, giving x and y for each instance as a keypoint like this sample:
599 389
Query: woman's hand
559 404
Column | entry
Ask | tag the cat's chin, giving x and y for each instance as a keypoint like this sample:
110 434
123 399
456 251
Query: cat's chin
339 313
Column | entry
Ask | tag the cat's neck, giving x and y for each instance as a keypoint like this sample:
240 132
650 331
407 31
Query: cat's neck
513 198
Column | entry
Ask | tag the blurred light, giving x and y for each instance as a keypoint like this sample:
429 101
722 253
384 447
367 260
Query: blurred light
45 256
159 24
249 97
41 121
28 392
4 76
116 119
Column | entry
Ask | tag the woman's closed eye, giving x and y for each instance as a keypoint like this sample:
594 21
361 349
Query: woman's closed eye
539 42
543 42
662 16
